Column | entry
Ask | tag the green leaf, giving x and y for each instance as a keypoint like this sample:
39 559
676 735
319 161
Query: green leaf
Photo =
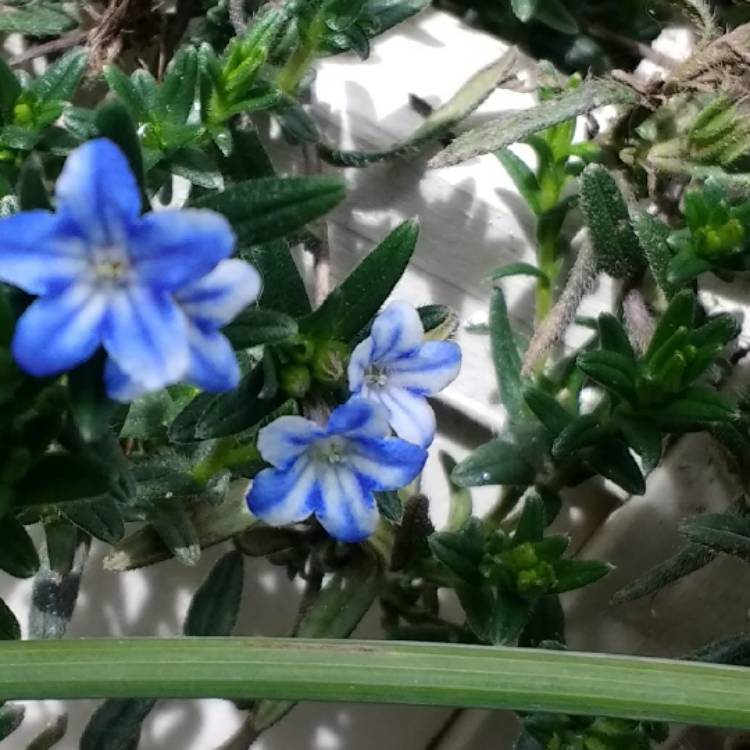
726 533
613 337
546 623
334 613
53 733
643 438
531 524
680 313
10 630
236 411
616 247
689 559
185 424
176 94
255 326
213 610
460 505
353 304
61 539
173 524
101 518
198 167
686 266
581 432
390 506
548 410
261 541
495 462
10 88
18 555
505 357
694 409
113 121
11 715
272 207
440 121
36 20
283 287
512 127
32 192
341 14
613 461
116 724
90 406
127 93
555 15
653 235
509 617
575 574
62 478
734 650
524 9
61 79
611 370
518 269
460 551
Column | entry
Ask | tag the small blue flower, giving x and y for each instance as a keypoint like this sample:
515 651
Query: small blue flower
331 470
395 367
107 276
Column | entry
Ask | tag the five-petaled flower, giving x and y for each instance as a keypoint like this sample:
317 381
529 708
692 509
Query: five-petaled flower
395 367
331 471
150 289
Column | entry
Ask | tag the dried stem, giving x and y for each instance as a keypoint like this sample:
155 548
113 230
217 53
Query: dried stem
50 48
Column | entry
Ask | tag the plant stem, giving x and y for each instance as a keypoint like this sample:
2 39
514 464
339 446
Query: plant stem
299 61
214 461
378 672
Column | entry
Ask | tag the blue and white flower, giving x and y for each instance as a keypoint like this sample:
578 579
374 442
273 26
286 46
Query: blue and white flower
395 367
107 276
331 471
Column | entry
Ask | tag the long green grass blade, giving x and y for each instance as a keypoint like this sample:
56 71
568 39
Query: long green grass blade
378 672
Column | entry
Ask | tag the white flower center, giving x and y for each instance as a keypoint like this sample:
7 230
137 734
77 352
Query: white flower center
330 450
111 265
376 376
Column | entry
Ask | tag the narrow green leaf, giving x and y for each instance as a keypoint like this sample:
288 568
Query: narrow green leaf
101 518
518 269
680 313
724 532
613 337
440 121
353 304
176 529
495 462
505 357
61 539
531 524
177 92
255 326
127 92
53 733
694 409
213 610
575 574
11 714
272 207
734 650
61 79
113 121
644 439
61 478
612 460
611 370
35 20
548 410
10 630
460 505
512 127
616 247
460 551
10 88
524 9
89 404
116 724
508 619
652 235
185 424
555 15
581 432
32 192
18 555
390 506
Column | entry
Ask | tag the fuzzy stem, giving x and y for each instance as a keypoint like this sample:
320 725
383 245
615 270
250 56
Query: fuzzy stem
299 61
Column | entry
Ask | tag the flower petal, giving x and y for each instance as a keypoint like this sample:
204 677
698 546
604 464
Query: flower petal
429 370
145 333
97 190
359 361
59 331
171 248
410 416
221 294
386 464
213 364
283 496
360 417
286 438
34 257
120 386
347 509
396 331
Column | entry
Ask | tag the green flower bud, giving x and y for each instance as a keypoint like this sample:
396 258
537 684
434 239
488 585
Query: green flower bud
295 380
329 362
23 114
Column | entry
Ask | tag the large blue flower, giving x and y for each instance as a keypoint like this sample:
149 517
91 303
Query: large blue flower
395 367
107 276
331 470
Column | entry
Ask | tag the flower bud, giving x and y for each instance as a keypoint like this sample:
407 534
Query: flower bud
295 380
329 362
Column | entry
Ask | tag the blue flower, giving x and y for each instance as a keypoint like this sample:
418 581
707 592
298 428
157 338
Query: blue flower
331 470
107 276
395 367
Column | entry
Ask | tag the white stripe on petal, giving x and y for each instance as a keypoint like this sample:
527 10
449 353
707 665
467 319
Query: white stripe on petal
429 370
359 361
386 464
396 331
220 295
348 511
410 416
284 496
286 438
60 331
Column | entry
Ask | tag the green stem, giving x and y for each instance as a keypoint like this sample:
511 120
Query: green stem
378 672
546 262
214 461
299 61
